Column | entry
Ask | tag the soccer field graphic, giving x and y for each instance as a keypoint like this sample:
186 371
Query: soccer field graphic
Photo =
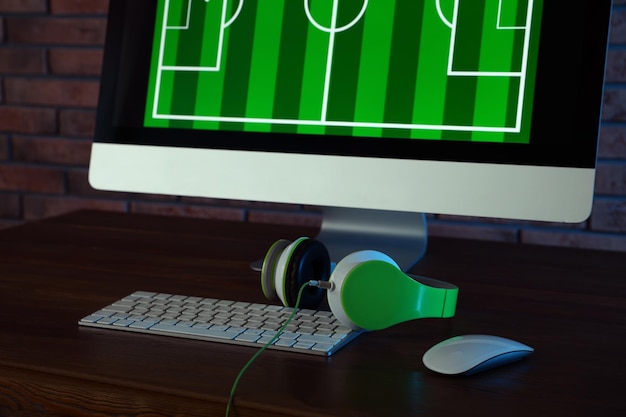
431 69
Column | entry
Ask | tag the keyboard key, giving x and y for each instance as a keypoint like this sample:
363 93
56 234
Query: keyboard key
142 294
322 347
194 331
107 320
144 325
285 342
264 340
123 323
316 339
248 337
303 345
118 308
92 318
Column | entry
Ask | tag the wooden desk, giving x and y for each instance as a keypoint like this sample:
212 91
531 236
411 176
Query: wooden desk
568 304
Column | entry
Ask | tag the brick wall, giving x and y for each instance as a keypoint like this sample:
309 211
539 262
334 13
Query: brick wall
50 57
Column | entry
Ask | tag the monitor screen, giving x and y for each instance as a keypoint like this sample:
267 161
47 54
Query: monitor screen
468 107
368 69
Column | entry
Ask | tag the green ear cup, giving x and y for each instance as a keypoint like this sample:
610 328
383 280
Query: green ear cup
376 295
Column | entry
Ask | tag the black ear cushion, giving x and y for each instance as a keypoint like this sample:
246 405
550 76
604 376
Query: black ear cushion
309 260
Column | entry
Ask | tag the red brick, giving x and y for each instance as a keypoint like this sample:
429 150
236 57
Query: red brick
78 185
22 6
10 206
51 150
616 67
618 27
28 120
22 61
602 241
50 31
76 61
612 142
4 148
473 231
614 108
609 215
38 207
79 123
294 218
53 92
29 178
213 202
465 221
221 213
240 203
611 179
286 207
79 6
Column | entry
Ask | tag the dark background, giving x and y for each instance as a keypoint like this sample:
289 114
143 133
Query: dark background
50 58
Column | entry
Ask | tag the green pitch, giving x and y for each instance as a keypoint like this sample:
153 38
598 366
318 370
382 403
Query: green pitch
430 69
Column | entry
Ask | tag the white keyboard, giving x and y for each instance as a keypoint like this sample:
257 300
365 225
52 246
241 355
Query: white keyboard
224 321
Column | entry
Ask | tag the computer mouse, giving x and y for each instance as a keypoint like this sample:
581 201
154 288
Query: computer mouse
465 355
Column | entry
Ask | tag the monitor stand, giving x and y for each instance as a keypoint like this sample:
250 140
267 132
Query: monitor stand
401 235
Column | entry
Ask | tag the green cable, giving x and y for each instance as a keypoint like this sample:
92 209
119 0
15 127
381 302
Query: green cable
256 355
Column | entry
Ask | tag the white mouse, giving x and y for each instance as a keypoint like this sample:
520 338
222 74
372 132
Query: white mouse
465 355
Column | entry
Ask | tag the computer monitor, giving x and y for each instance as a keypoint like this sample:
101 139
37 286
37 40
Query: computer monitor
375 110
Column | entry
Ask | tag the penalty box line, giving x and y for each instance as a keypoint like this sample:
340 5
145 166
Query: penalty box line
330 123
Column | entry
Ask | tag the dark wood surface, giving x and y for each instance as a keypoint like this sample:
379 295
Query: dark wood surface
568 304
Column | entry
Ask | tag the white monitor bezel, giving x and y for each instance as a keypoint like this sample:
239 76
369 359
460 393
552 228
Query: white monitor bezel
560 194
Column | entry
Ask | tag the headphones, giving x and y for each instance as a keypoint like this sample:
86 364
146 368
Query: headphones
366 290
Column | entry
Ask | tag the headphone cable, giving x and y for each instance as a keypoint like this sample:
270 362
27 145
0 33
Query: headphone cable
257 354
